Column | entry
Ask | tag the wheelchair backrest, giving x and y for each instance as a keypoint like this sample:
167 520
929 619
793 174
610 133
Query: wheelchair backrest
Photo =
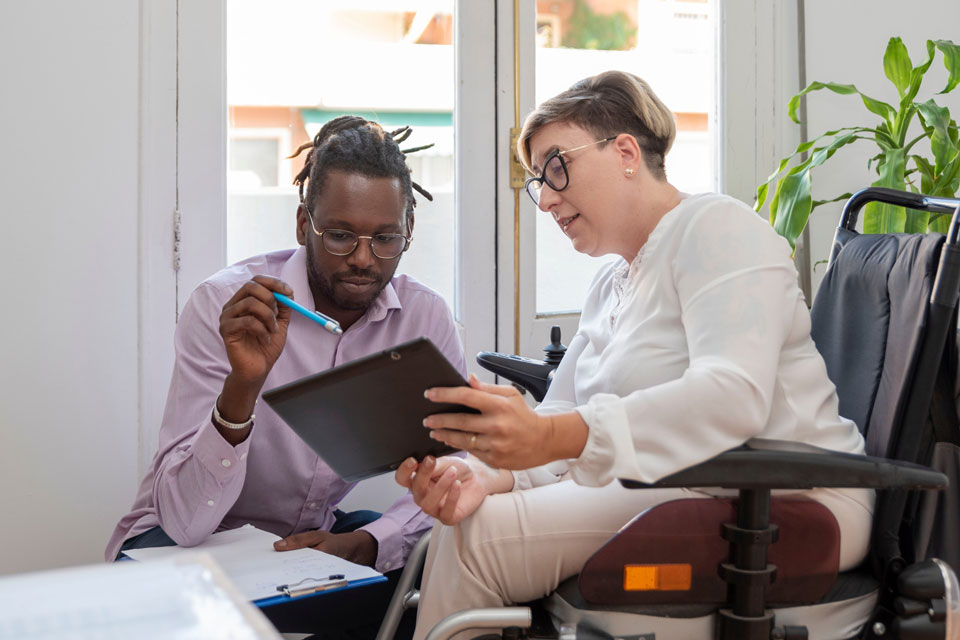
869 322
881 320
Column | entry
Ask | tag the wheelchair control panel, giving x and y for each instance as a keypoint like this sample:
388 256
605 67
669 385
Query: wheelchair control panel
529 374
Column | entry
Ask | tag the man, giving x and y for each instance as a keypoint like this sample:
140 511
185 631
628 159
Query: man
225 460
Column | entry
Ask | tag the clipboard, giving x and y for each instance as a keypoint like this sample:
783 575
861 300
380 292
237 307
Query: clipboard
313 585
365 417
266 577
310 587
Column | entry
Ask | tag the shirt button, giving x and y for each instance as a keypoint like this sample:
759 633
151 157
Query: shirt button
209 503
387 565
225 462
243 456
313 505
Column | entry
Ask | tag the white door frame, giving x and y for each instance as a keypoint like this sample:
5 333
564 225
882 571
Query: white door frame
201 142
156 276
475 194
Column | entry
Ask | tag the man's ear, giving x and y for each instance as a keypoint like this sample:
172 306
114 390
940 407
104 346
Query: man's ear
410 225
302 224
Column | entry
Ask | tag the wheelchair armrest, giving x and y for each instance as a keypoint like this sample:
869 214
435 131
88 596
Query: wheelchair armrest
748 468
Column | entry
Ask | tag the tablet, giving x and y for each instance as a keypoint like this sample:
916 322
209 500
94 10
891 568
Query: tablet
365 417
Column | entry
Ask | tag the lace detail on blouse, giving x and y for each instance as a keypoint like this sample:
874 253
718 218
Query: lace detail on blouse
622 276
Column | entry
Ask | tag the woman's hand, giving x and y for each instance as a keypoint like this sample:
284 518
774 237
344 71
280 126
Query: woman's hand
449 489
507 434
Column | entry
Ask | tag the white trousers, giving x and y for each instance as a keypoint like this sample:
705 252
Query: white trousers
520 546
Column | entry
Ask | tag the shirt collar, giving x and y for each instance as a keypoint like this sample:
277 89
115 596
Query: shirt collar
294 273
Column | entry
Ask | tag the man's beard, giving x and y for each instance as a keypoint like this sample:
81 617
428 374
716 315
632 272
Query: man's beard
326 285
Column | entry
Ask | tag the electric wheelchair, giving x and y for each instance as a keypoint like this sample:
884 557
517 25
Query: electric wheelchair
759 568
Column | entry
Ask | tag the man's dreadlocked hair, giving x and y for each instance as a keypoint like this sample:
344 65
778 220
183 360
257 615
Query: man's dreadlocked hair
356 145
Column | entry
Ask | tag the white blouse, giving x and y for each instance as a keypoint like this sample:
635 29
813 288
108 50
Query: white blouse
700 345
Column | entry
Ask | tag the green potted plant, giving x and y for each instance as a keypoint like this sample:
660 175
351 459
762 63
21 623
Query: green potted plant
898 164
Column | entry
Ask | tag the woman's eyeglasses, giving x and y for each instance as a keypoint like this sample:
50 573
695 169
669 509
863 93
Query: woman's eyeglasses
554 173
340 242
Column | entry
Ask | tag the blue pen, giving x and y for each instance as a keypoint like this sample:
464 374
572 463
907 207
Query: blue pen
327 323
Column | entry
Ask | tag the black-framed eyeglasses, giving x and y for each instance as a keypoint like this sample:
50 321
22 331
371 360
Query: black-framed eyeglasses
341 242
554 173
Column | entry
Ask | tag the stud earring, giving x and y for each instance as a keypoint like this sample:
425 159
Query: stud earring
628 171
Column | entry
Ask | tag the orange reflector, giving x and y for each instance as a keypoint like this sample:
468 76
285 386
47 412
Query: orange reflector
657 577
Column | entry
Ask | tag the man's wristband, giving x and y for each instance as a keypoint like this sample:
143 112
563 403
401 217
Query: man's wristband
220 422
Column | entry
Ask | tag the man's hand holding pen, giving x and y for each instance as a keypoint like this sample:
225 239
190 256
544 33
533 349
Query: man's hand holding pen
254 331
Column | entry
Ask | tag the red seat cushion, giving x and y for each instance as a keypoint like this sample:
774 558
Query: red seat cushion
806 553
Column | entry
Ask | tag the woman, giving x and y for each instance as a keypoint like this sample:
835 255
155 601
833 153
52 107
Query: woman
695 342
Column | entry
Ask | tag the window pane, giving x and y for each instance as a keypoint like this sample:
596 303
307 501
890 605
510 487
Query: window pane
293 65
670 44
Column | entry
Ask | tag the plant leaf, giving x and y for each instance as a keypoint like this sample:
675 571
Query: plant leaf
761 196
795 204
938 119
842 196
926 173
897 66
763 189
947 183
940 222
878 107
916 76
916 221
909 145
791 205
885 218
951 60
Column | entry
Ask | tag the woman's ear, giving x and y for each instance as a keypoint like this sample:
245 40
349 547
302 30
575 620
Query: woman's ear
631 156
302 223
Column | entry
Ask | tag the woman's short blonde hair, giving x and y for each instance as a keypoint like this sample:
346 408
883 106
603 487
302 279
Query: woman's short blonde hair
608 104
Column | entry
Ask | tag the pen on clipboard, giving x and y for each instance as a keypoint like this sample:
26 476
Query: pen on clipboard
334 581
326 322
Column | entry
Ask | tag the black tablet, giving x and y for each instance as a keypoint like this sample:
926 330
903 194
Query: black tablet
366 417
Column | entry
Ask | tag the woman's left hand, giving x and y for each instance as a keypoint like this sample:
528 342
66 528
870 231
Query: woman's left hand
506 434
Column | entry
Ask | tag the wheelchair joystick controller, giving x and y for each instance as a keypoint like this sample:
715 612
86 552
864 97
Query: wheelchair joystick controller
555 350
527 373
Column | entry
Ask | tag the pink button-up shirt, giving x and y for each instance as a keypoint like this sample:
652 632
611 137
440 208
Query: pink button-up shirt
199 484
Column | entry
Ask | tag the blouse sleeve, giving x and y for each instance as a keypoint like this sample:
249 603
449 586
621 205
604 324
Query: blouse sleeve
736 288
561 397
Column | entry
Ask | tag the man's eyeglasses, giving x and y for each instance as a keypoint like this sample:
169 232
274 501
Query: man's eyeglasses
554 173
340 242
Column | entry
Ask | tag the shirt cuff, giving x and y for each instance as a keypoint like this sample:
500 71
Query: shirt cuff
549 473
606 429
389 543
220 459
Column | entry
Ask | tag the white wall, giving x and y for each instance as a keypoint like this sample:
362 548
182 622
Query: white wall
845 42
69 73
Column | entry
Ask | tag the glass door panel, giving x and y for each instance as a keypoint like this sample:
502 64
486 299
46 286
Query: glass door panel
669 43
293 65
